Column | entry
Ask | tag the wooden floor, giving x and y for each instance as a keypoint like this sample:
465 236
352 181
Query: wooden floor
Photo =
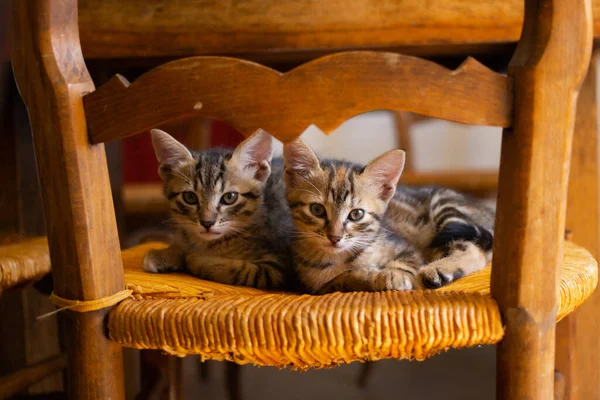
465 375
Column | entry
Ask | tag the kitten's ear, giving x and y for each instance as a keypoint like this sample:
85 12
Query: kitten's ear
382 174
254 155
299 160
168 150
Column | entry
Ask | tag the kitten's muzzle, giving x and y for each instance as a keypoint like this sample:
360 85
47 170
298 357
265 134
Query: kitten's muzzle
334 239
207 224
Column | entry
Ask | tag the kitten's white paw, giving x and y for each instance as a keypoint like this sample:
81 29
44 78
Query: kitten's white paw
150 262
395 279
370 281
438 274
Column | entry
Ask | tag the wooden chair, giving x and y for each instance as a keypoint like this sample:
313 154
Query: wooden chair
112 303
24 261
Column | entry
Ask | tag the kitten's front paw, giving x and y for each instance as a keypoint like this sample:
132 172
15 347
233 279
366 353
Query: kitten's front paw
248 275
373 280
436 275
151 263
157 260
262 277
394 279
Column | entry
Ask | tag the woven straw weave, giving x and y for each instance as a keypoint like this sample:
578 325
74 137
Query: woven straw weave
23 261
184 315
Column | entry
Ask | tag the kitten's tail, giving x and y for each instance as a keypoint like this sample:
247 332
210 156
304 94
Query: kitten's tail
462 231
462 245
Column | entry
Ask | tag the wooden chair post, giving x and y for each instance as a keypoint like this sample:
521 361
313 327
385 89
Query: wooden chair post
577 341
547 70
84 246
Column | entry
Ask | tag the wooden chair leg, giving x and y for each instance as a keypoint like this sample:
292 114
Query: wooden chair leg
233 381
559 386
547 72
203 370
403 122
365 373
577 336
150 376
161 376
175 377
84 246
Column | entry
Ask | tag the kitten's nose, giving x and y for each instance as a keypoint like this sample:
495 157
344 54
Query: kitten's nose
334 239
207 224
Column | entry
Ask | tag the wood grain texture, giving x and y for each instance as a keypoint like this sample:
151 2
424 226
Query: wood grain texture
80 220
559 386
548 68
117 28
324 92
578 342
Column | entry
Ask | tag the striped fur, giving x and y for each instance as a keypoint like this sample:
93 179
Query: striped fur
238 243
407 237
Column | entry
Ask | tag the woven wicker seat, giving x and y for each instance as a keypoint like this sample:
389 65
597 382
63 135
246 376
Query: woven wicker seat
23 261
181 315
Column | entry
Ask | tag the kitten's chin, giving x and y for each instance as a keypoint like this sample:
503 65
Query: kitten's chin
209 236
337 249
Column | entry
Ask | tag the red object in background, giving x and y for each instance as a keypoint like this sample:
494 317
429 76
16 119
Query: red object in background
222 135
139 161
140 164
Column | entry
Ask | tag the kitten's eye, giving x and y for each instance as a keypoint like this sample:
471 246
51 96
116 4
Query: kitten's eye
356 214
190 197
318 210
229 198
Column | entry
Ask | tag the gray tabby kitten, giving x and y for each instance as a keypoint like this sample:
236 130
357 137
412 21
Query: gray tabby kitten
356 231
220 202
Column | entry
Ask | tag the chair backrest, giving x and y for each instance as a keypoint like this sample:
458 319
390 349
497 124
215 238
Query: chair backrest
536 102
324 92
